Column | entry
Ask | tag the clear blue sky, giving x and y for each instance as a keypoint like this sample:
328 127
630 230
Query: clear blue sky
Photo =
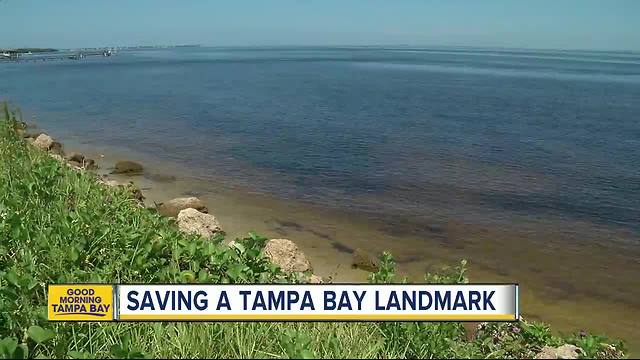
559 24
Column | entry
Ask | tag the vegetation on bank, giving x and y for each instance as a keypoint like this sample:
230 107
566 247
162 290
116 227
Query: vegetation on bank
59 225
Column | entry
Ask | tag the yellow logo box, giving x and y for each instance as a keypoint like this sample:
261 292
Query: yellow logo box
80 302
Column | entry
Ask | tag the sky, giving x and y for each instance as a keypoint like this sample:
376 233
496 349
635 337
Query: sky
544 24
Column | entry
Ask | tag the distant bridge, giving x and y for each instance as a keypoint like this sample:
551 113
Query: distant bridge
75 55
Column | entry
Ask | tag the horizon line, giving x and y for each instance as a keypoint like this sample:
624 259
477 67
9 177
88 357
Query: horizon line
419 46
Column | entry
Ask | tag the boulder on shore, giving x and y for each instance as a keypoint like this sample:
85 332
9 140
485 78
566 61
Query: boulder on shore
286 254
57 157
31 134
43 142
171 208
565 351
56 148
90 164
108 182
75 164
365 261
192 221
79 161
127 167
74 156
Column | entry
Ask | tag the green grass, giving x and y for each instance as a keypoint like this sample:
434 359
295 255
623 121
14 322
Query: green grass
59 225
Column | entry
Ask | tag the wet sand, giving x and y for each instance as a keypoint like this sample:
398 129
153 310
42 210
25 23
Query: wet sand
567 279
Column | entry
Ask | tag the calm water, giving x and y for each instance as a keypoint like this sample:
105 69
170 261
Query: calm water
525 162
474 133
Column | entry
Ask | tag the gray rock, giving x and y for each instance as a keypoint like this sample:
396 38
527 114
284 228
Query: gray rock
57 157
191 221
75 164
74 156
31 134
127 167
78 160
565 351
171 208
90 164
111 183
365 261
286 254
56 148
43 142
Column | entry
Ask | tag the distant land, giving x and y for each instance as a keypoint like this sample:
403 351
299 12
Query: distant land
28 50
139 47
45 50
76 53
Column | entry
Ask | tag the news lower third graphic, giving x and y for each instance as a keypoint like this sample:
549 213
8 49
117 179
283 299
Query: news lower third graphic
326 302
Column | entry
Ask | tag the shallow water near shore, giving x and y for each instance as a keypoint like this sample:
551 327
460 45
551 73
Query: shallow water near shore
572 285
526 164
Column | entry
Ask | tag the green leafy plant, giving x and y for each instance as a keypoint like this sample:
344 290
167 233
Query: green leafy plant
10 349
386 273
596 347
296 345
125 350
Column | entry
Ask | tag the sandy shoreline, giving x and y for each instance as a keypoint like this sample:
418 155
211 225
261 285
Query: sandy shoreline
561 280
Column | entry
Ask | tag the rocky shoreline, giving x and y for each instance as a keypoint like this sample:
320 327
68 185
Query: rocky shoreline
190 214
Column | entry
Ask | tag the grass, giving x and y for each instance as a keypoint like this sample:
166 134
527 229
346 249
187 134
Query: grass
59 225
